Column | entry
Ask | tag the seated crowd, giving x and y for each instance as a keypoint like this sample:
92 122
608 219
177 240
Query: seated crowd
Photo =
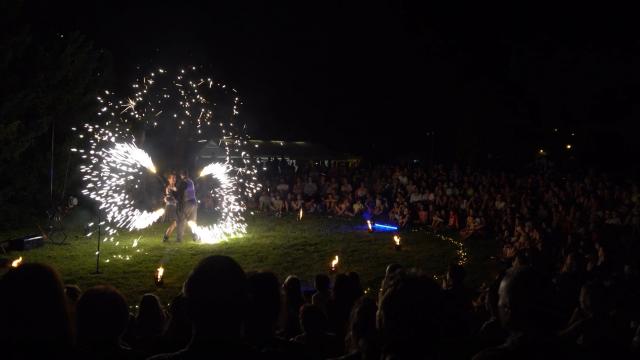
539 211
567 283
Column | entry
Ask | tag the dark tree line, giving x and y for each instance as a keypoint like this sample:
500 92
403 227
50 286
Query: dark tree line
50 81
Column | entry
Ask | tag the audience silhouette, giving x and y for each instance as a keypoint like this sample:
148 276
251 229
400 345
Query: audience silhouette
102 317
35 316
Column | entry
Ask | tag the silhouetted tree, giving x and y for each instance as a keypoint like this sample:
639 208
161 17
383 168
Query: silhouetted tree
49 83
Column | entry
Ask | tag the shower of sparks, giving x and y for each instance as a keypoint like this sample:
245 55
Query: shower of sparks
109 176
114 165
231 207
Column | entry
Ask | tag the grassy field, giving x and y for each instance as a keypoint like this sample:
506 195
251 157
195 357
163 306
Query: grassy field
283 245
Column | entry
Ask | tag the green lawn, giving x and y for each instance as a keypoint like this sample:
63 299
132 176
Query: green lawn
283 245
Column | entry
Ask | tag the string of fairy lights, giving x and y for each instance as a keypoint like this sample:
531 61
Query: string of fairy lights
114 165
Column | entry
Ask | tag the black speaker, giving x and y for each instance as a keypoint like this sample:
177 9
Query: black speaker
27 242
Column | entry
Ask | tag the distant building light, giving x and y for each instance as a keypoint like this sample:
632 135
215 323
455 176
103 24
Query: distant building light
568 146
555 130
541 152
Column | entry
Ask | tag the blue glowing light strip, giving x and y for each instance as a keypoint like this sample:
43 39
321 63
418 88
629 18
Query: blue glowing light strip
388 227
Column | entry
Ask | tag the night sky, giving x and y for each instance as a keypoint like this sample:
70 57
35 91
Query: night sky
378 75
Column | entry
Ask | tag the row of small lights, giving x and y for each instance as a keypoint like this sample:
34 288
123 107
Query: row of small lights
333 267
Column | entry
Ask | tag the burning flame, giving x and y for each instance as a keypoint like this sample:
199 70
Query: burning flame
159 273
369 225
300 214
334 263
15 263
396 238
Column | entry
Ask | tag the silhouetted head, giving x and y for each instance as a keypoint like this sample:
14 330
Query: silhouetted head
151 316
72 292
362 332
292 288
593 299
520 259
341 286
184 174
322 283
392 268
35 316
312 320
216 293
264 304
522 300
574 262
179 327
354 283
455 275
101 315
409 314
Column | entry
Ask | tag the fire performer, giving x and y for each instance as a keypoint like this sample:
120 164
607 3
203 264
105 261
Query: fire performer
170 205
187 204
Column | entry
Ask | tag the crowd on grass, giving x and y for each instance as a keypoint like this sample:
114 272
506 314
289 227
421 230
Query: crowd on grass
567 284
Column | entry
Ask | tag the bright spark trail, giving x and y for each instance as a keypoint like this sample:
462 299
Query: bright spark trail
114 165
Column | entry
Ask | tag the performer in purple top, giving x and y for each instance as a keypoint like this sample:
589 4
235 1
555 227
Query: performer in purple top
187 203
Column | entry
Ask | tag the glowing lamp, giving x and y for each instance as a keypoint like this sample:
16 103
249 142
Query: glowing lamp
369 226
300 214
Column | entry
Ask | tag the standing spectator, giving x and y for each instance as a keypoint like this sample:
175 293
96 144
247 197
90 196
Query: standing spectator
148 326
409 317
293 300
322 295
216 294
315 337
262 316
178 332
362 341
